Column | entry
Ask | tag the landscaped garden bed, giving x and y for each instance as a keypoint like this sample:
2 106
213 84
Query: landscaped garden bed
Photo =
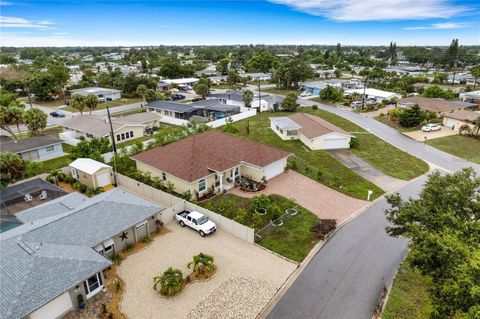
293 239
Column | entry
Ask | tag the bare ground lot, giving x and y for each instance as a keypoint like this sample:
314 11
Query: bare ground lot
235 258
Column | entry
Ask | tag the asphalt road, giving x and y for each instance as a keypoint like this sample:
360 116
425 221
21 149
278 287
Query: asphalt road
345 278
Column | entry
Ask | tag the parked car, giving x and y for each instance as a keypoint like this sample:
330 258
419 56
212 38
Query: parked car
196 221
57 114
102 100
306 93
356 104
177 96
431 127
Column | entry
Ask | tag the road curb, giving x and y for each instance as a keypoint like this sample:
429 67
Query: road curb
296 273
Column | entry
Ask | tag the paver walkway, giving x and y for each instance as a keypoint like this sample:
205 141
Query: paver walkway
367 171
319 199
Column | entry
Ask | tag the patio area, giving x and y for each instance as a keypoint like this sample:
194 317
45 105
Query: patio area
323 201
236 260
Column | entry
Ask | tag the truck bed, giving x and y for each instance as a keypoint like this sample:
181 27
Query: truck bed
183 214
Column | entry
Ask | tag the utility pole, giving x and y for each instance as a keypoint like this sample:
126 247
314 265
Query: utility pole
259 99
364 91
114 147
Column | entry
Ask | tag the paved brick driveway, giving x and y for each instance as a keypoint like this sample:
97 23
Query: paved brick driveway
319 199
420 135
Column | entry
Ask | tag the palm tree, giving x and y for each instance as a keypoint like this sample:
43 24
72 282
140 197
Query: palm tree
247 98
142 91
78 102
15 114
91 102
201 263
476 127
171 282
475 71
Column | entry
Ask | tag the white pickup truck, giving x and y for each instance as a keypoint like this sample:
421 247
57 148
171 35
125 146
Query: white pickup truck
197 221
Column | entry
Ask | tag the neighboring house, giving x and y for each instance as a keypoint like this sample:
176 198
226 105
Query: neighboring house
316 87
125 128
235 97
64 246
473 97
458 118
315 132
374 95
211 162
35 148
185 82
91 173
204 110
431 104
257 76
101 93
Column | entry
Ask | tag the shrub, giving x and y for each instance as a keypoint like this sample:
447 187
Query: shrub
147 239
259 202
323 228
241 216
171 282
82 188
80 299
315 107
129 246
117 258
118 286
354 142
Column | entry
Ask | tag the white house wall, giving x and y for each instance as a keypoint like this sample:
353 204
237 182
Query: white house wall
54 309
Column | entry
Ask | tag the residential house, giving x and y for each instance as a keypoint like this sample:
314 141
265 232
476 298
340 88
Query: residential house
257 76
315 87
313 131
185 83
35 148
211 162
91 173
125 128
374 95
473 97
457 118
262 103
63 247
101 93
204 110
431 104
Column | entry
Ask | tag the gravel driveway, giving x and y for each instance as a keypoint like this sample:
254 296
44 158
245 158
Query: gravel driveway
234 257
321 200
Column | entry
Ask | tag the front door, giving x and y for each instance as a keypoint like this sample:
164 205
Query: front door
93 285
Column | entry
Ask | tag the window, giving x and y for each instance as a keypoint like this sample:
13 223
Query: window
131 133
123 136
49 148
93 285
202 185
89 135
118 137
236 171
164 176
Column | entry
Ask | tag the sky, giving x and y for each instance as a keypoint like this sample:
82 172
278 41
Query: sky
178 22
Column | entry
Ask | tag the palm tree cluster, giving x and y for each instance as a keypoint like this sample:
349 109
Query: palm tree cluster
81 103
171 282
202 263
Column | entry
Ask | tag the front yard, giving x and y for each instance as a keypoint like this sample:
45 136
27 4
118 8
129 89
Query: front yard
462 146
101 106
294 239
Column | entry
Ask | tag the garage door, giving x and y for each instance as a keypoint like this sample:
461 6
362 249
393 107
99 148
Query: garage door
450 122
103 179
274 169
335 143
141 230
53 309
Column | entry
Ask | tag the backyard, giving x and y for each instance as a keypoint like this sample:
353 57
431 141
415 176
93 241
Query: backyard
462 146
294 239
409 297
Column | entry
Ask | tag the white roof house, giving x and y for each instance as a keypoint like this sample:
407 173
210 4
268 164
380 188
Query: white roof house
180 81
374 93
88 165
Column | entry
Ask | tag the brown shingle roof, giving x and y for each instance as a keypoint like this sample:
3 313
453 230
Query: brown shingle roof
314 126
197 156
463 115
437 105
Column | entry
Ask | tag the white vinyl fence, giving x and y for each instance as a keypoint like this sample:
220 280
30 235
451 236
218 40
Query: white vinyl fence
175 205
174 121
235 118
68 139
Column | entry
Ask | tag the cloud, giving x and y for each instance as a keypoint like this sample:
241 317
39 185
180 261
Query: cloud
6 3
15 22
374 10
438 26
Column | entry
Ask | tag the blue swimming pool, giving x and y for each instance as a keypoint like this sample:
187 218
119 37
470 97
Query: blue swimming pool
4 226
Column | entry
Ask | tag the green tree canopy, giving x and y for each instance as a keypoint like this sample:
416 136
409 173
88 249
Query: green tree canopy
412 116
93 149
91 102
35 119
437 92
247 98
12 168
331 93
291 72
289 103
443 226
262 61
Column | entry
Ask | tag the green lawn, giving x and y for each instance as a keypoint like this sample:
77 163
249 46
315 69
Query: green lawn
162 131
409 297
225 87
458 145
321 165
51 103
293 239
380 154
385 120
110 104
282 91
53 164
130 112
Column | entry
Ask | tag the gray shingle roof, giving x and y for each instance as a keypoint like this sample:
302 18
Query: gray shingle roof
214 105
171 106
52 252
28 144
